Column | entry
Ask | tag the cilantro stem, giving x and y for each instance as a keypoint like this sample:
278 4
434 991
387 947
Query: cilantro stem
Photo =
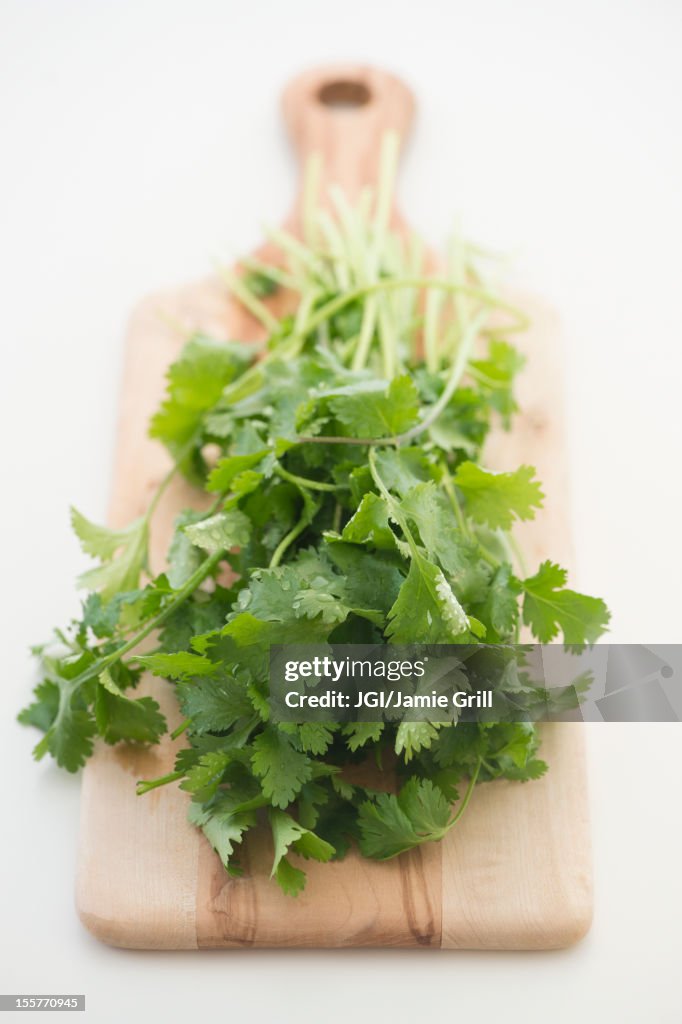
161 489
449 488
467 796
301 481
489 557
434 411
390 284
516 551
181 728
275 274
394 506
288 539
146 785
257 308
197 577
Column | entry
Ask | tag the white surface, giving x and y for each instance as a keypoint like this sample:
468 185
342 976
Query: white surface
140 139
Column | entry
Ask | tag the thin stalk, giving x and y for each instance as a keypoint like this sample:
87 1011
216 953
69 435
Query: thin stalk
394 506
389 284
197 577
273 273
458 368
146 785
257 308
449 488
312 485
369 318
287 541
467 796
181 728
513 546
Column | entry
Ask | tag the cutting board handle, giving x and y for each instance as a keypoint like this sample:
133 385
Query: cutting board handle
341 112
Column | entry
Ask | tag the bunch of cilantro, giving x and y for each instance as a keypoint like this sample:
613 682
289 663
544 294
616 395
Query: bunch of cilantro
350 504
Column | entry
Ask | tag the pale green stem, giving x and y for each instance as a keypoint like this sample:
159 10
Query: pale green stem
458 368
287 540
257 308
301 481
388 284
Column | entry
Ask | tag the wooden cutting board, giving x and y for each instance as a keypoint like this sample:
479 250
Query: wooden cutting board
515 873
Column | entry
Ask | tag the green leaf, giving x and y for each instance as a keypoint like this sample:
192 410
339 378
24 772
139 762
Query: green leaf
360 733
371 580
411 737
223 828
69 739
401 469
375 410
549 607
134 721
426 610
119 572
281 768
501 606
230 472
203 778
195 383
288 836
220 532
497 499
313 737
426 807
496 375
429 510
181 665
43 711
109 683
369 524
184 558
314 601
390 825
291 880
214 705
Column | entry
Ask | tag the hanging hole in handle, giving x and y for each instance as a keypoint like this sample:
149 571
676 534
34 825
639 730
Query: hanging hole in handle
344 94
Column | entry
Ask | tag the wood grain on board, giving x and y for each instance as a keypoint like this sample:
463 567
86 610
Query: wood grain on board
515 872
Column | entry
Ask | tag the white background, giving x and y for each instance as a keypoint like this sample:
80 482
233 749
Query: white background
141 139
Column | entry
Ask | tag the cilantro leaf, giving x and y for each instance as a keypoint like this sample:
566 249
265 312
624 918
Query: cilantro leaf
390 825
69 738
195 383
288 835
220 532
412 737
281 768
360 733
369 524
497 499
426 610
184 558
118 572
214 705
229 472
223 828
376 411
118 718
548 607
180 665
43 711
428 509
204 777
